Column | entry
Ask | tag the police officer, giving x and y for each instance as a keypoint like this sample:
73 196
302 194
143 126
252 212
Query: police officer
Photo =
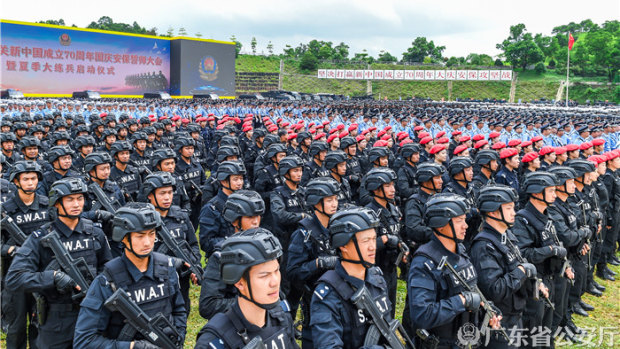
164 160
29 211
429 176
268 178
243 210
379 182
336 163
211 185
507 175
191 174
29 271
487 162
503 273
149 278
336 321
123 173
310 253
440 304
407 184
84 146
314 168
354 167
213 226
250 263
256 148
139 156
61 159
539 244
158 188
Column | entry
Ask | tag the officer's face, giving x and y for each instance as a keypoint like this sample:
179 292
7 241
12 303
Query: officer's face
367 242
101 171
614 164
438 182
28 181
383 161
110 139
322 155
151 137
535 164
513 162
352 150
73 204
601 169
123 156
460 227
8 145
167 165
142 242
295 174
265 279
469 174
64 162
330 204
236 182
140 144
570 186
31 152
279 157
341 168
249 222
562 157
164 197
187 152
509 212
442 156
389 190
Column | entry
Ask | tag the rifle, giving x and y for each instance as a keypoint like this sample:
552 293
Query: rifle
538 280
152 328
585 225
380 326
173 245
566 263
104 200
490 312
77 269
255 343
8 223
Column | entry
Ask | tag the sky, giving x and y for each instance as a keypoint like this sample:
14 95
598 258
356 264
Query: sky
462 26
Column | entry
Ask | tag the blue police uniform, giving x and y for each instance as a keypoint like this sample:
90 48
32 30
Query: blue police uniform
213 227
155 290
29 273
231 330
336 322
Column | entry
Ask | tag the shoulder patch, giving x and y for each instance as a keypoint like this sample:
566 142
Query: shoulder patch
321 291
429 264
285 306
217 344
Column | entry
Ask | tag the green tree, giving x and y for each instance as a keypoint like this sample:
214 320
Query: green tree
605 51
519 48
53 21
253 45
182 32
499 63
386 57
238 45
270 48
170 32
341 52
308 62
198 35
479 59
422 48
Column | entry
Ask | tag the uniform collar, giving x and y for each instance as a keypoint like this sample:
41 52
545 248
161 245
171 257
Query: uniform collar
251 328
65 230
136 274
25 208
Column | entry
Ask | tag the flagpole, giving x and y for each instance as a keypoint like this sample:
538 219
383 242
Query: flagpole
567 68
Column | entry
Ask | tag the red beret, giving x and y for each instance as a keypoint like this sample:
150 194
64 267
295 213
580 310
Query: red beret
163 118
610 155
526 144
440 134
210 118
508 153
343 134
185 121
387 128
237 120
381 133
380 143
365 132
478 137
585 145
211 114
443 140
353 127
498 146
456 133
298 126
285 124
598 141
333 130
340 127
529 156
103 115
220 127
514 142
201 119
319 126
597 159
289 131
572 147
292 136
311 124
406 141
265 118
418 128
272 128
247 128
268 123
279 120
385 137
331 137
426 140
249 115
464 139
559 150
437 148
481 143
537 139
494 134
313 131
373 128
402 136
546 150
459 149
359 138
423 134
319 136
325 122
176 118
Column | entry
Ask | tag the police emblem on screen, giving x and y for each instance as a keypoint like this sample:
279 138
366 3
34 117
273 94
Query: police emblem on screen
468 335
65 39
208 68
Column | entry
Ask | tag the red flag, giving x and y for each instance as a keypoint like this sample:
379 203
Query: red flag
571 41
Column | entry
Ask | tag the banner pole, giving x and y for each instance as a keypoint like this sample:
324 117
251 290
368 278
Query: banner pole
567 68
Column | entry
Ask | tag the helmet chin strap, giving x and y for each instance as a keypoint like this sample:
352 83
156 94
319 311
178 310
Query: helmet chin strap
544 199
384 197
157 205
502 219
453 237
434 188
361 261
267 306
65 212
288 178
130 249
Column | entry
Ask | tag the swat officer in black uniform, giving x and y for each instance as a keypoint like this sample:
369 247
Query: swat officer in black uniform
354 168
314 168
439 304
123 173
250 263
158 188
61 159
149 278
503 273
310 253
84 146
164 160
407 184
190 173
487 162
268 177
336 163
29 211
336 321
380 182
429 176
29 271
243 210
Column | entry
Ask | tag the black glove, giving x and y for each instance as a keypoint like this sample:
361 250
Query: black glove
530 270
392 240
584 233
103 216
472 301
63 282
180 267
559 251
327 262
144 344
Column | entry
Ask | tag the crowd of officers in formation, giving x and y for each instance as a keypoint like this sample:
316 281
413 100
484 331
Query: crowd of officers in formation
498 233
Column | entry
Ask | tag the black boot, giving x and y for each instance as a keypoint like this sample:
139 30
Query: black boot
577 309
576 330
599 286
607 270
585 306
594 291
603 274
